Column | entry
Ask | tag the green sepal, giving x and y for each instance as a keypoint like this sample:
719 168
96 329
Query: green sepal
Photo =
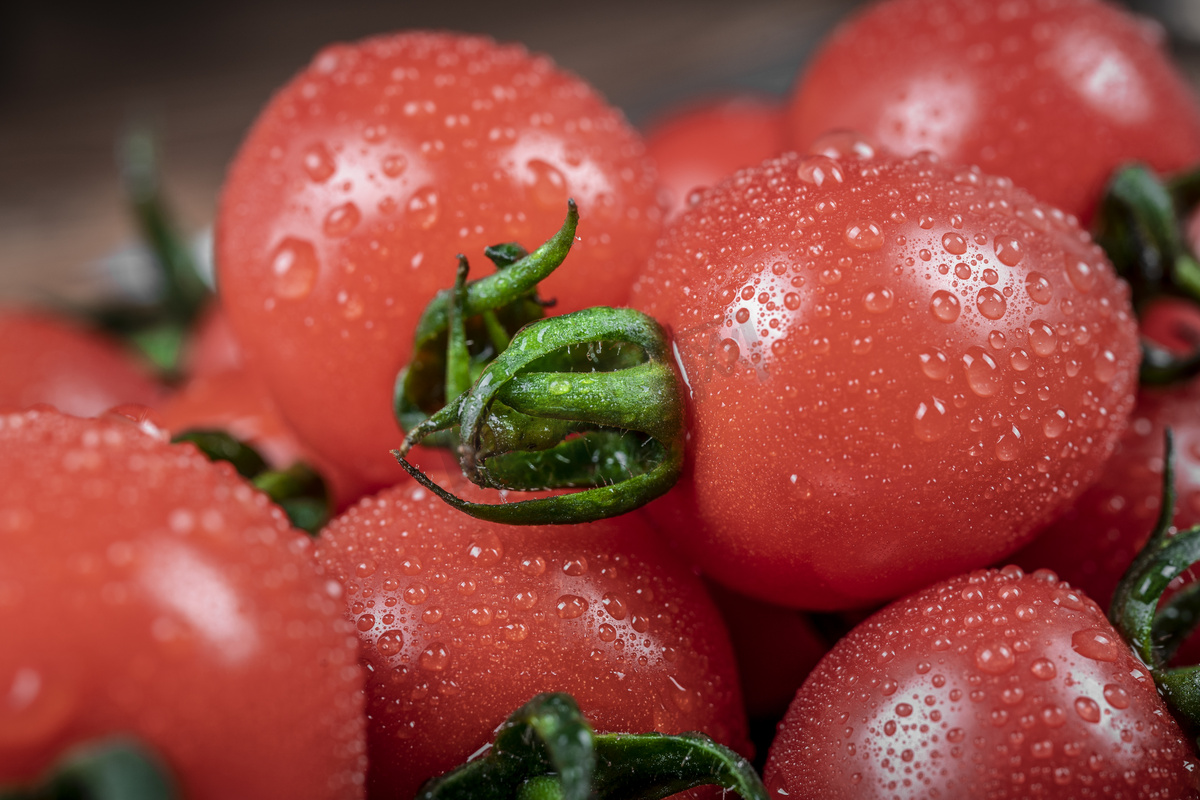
548 751
489 311
298 489
114 769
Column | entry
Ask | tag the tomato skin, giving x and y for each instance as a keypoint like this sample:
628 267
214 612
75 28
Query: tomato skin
363 178
996 684
147 591
1095 540
699 145
1055 95
905 335
48 359
463 621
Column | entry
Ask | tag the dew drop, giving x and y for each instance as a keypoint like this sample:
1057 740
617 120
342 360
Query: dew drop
607 633
394 165
815 170
1008 250
570 606
991 303
944 306
1008 445
390 642
434 658
935 365
614 605
1081 274
365 622
864 235
932 420
983 374
995 658
1115 696
1042 338
485 549
1087 709
879 300
1019 360
423 207
1043 669
1038 287
1106 366
341 220
546 184
294 268
791 301
1095 643
729 352
416 593
319 163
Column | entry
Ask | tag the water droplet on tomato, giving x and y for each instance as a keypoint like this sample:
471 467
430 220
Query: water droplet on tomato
1055 424
991 303
416 593
815 170
1038 287
729 352
570 606
423 207
341 220
1096 643
434 658
546 184
932 420
1106 366
1008 249
864 235
1081 274
319 163
1115 696
294 268
394 165
525 599
983 374
962 271
485 549
945 306
1042 338
995 658
614 605
1008 445
533 565
791 301
879 300
575 566
1087 709
389 642
607 633
954 243
935 365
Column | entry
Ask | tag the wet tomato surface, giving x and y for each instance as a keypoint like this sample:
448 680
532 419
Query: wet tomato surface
898 369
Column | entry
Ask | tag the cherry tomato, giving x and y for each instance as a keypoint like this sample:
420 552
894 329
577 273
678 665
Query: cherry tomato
146 591
1095 540
47 359
463 621
1053 95
999 685
212 346
366 175
898 370
699 145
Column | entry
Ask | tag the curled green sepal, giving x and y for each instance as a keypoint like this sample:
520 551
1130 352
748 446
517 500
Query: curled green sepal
587 400
114 769
1155 634
463 328
298 489
548 751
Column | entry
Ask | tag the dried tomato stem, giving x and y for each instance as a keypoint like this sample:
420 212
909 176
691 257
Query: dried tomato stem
115 769
548 751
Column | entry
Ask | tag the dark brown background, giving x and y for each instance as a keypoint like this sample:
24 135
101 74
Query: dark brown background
73 73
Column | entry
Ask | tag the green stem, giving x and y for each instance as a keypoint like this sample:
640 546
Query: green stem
548 751
116 769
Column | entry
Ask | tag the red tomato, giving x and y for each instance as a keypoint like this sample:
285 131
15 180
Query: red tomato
369 172
1055 95
699 145
898 371
146 591
47 359
212 346
1095 540
463 621
999 685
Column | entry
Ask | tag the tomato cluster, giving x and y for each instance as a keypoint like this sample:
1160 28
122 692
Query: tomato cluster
872 339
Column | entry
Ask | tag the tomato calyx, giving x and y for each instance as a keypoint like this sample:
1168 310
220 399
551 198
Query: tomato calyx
1156 631
546 750
299 489
1140 225
109 769
457 335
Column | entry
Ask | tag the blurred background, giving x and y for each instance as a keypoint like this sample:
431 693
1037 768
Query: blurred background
75 73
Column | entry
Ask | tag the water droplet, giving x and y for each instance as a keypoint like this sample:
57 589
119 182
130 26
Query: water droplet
1081 274
485 549
932 420
955 735
1115 696
684 700
534 565
791 301
879 300
864 235
1053 716
1096 643
1038 287
365 568
294 266
1008 445
1008 249
366 622
962 271
903 709
990 303
954 243
1087 709
1043 669
742 316
341 220
1019 360
319 163
434 658
570 606
1042 338
390 642
944 306
394 165
423 207
995 658
815 170
607 633
614 605
416 593
983 374
729 352
935 365
575 566
525 599
546 184
1106 366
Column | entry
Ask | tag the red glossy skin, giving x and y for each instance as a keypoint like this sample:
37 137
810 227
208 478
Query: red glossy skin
366 175
463 621
699 145
997 684
1095 540
212 346
147 591
1055 94
47 359
896 375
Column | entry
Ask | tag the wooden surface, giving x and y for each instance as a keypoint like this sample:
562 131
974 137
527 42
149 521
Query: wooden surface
73 74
